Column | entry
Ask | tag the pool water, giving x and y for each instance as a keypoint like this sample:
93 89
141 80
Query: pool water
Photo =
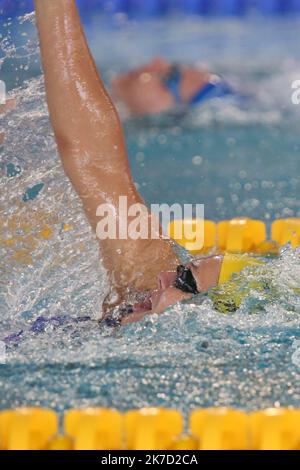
237 157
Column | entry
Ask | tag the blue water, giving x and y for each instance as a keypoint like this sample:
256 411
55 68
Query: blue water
192 355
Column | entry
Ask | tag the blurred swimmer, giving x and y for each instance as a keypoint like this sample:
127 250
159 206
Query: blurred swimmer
145 274
161 86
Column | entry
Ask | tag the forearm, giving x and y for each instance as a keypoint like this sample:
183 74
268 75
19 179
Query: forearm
81 111
85 122
70 73
91 142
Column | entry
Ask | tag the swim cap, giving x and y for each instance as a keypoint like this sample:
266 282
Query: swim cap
234 264
229 295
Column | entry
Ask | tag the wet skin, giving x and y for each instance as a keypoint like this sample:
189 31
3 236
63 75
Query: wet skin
92 148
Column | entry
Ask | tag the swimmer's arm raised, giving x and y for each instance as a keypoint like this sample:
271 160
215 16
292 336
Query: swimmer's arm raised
91 142
85 123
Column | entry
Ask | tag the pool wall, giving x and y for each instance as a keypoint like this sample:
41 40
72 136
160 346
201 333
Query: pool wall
146 8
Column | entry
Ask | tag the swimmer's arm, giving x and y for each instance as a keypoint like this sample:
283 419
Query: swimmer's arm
91 142
86 126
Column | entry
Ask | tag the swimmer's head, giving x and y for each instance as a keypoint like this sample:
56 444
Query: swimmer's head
199 276
142 90
172 287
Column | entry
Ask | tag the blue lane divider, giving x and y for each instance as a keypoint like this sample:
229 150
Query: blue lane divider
144 8
291 5
201 7
270 6
11 8
148 7
118 6
230 7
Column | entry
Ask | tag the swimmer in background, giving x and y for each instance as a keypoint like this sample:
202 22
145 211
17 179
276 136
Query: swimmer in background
161 86
145 274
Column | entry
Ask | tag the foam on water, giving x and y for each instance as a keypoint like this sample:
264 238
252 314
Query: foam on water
191 355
